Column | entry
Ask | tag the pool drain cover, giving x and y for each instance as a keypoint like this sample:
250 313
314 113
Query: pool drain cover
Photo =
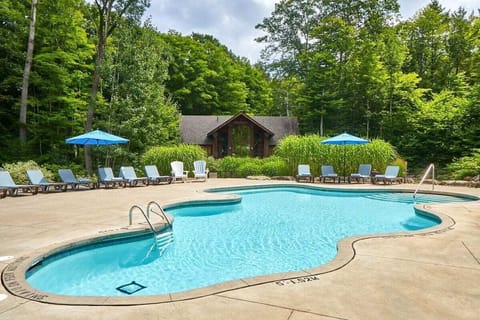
130 288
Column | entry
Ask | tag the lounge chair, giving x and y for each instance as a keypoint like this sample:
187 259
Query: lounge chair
390 176
200 170
10 187
106 177
129 175
36 178
154 177
304 173
327 172
177 171
69 179
364 171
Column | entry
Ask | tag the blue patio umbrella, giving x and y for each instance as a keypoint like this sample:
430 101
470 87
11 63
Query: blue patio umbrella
345 139
97 138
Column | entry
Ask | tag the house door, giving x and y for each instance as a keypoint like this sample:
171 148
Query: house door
241 141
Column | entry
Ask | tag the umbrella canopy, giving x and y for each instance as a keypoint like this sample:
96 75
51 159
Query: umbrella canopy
97 137
344 139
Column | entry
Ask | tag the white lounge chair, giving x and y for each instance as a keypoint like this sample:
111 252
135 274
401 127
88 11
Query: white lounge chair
177 171
69 178
327 172
304 173
154 177
364 171
200 170
36 178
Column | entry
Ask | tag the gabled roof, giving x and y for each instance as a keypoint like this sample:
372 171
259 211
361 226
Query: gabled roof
236 117
196 129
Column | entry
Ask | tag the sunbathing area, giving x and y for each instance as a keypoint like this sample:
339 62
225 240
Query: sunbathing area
422 275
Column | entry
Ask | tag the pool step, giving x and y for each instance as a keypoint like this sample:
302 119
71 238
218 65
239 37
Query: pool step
391 197
164 240
408 198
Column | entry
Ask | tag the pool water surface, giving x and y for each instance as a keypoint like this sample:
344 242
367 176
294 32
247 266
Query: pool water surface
271 230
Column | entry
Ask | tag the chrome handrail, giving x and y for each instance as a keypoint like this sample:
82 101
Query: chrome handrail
161 214
143 213
431 167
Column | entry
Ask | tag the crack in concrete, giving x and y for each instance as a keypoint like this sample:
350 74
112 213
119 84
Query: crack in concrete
470 251
420 262
293 310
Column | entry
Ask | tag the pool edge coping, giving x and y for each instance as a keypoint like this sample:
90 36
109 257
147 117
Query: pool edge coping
13 275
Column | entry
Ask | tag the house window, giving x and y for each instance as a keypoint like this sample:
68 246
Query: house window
241 141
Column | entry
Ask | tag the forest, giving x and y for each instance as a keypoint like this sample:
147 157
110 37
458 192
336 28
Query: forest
345 65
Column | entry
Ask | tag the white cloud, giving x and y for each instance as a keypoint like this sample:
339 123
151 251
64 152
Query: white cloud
233 22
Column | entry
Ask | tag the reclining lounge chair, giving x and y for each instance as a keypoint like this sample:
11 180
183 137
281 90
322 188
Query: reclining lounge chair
36 178
390 176
327 172
130 177
154 177
106 177
10 187
304 173
364 171
69 179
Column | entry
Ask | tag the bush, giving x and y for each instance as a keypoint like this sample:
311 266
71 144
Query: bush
163 156
234 167
465 167
249 168
18 171
228 166
274 166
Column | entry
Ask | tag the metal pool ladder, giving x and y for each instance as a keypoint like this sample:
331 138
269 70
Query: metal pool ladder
162 239
431 168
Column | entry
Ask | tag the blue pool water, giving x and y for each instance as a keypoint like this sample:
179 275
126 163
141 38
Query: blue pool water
271 230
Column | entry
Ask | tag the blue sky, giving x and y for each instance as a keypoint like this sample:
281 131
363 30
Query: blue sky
233 22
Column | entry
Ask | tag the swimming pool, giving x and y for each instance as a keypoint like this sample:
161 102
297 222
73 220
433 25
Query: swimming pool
272 230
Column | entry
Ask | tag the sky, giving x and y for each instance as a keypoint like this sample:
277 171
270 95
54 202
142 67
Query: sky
233 22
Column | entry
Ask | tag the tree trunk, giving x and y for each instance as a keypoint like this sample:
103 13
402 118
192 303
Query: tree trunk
104 13
26 75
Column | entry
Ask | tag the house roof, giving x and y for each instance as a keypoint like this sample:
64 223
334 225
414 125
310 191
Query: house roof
237 116
196 129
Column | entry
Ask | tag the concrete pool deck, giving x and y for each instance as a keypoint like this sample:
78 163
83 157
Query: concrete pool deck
430 276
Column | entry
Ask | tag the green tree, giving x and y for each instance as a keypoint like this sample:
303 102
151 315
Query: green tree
106 17
206 78
134 73
60 76
426 43
13 40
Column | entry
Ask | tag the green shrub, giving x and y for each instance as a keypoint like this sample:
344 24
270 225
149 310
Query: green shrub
228 166
274 166
163 156
249 168
18 171
464 167
235 167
